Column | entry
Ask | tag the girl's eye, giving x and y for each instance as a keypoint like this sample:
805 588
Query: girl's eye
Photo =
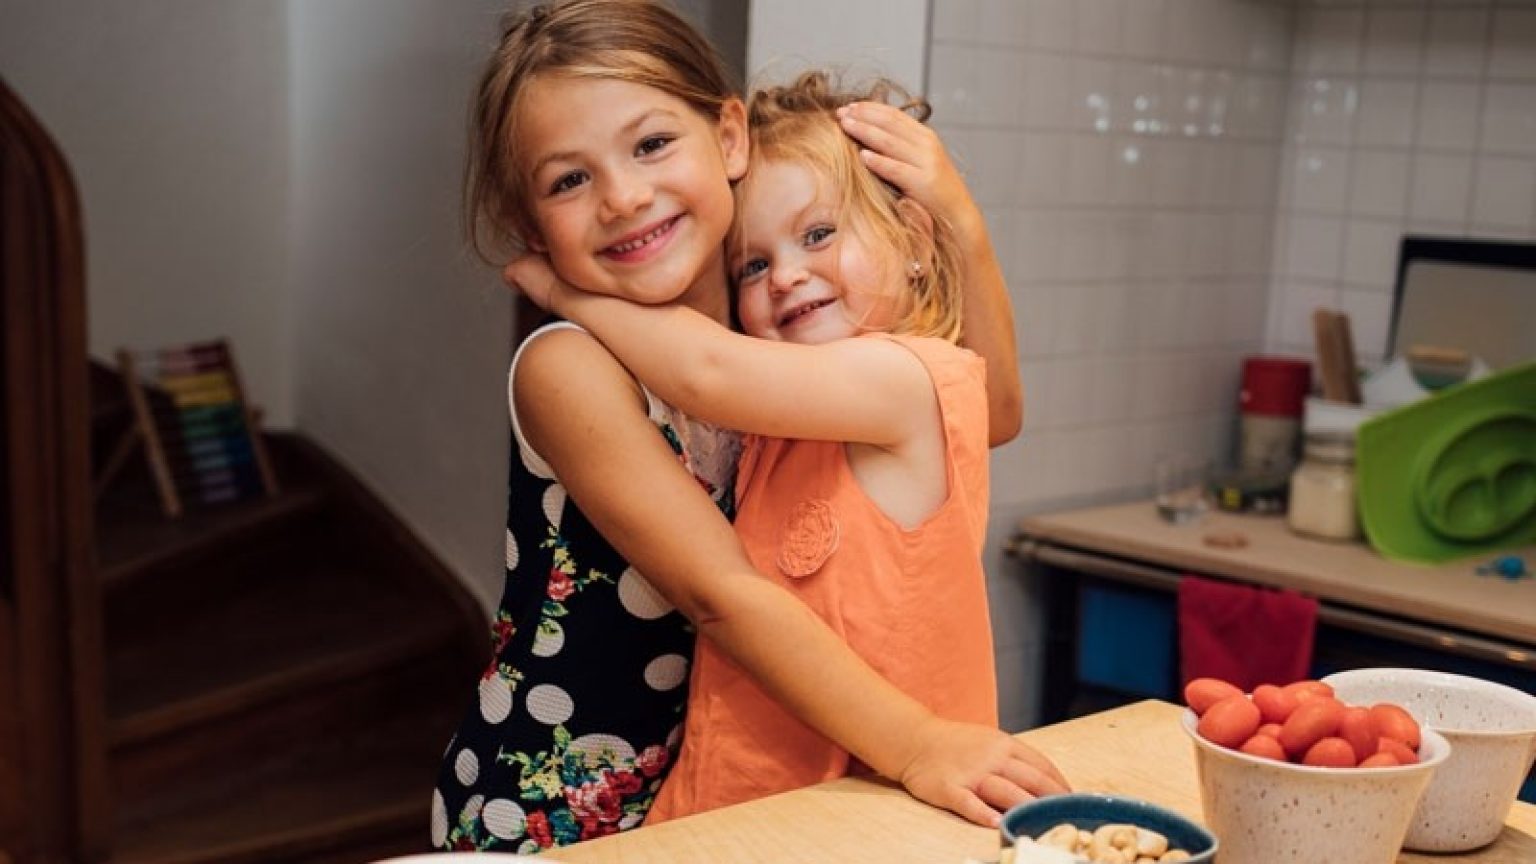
819 235
652 144
567 182
751 269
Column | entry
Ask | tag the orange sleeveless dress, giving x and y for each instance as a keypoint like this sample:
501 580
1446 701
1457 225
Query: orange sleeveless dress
911 603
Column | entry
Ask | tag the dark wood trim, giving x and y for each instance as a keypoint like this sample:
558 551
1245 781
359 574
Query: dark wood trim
53 623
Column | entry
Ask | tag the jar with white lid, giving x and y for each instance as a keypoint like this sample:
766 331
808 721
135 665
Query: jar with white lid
1323 488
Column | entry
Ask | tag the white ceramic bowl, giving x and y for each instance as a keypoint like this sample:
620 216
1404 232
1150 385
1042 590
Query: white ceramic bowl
1268 812
1492 732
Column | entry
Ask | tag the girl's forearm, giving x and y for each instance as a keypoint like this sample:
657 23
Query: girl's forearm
799 661
987 328
680 354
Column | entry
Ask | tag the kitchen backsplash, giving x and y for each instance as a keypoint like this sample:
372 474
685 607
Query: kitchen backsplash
1403 118
1172 184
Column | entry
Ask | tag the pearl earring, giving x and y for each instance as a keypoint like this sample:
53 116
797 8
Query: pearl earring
914 269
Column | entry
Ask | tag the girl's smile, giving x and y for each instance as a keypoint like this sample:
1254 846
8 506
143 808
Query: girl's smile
802 275
630 187
645 244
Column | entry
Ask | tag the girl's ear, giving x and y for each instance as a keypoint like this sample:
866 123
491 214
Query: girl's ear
535 243
735 144
917 219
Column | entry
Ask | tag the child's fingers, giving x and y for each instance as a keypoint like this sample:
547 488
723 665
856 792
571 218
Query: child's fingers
880 138
903 175
968 806
1031 756
1033 778
1001 793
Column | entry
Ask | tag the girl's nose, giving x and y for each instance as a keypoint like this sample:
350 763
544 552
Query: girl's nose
785 275
626 196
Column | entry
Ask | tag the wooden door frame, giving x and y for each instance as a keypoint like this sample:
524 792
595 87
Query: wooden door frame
52 712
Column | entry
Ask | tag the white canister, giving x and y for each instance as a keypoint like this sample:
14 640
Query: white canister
1323 502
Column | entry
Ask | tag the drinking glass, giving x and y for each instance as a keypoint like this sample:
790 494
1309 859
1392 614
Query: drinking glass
1180 487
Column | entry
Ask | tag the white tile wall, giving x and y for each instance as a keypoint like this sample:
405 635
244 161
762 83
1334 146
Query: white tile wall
1429 108
1172 184
1127 153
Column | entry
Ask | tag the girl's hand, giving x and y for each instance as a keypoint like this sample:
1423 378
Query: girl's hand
909 155
977 771
531 275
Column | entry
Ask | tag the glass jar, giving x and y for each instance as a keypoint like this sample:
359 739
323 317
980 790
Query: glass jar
1323 488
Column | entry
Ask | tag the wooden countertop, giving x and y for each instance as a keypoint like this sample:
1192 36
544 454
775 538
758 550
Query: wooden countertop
1137 750
1347 573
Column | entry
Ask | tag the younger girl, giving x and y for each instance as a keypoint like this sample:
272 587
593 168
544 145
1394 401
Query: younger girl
864 489
605 135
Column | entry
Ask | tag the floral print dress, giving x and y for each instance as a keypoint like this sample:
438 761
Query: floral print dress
578 715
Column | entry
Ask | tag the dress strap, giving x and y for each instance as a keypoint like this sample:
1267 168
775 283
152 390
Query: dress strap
655 409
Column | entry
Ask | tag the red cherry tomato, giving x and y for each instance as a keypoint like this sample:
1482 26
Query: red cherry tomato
1275 705
1201 693
1230 722
1330 753
1382 759
1311 722
1398 749
1264 747
1355 727
1391 721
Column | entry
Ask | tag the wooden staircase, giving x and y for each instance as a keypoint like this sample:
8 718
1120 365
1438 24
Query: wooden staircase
282 674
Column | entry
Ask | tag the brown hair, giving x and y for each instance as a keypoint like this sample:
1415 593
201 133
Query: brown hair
798 123
641 41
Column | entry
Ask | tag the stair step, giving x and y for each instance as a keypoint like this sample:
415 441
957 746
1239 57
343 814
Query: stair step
256 624
136 538
307 778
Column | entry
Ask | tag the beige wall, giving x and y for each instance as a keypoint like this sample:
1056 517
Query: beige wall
174 117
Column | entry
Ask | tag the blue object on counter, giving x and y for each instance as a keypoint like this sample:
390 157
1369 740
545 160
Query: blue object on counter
1089 810
1510 567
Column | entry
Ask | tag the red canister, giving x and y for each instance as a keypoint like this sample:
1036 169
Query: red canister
1274 391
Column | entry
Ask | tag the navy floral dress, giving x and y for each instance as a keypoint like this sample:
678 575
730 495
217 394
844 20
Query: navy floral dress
579 712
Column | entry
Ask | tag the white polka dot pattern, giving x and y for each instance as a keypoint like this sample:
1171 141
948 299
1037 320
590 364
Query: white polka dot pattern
554 504
439 820
495 699
549 704
549 639
601 745
511 551
639 598
504 818
466 767
666 671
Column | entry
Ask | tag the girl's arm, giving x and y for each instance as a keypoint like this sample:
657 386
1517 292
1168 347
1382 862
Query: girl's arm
584 414
863 390
910 156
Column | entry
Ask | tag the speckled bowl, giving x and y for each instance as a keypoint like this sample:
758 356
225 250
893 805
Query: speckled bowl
1492 731
1090 810
1268 812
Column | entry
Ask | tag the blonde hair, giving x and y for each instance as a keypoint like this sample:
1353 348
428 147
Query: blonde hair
798 123
640 41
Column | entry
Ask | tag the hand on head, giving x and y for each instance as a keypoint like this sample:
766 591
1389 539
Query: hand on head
977 771
908 154
530 275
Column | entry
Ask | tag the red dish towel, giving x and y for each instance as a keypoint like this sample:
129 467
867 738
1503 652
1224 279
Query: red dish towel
1243 634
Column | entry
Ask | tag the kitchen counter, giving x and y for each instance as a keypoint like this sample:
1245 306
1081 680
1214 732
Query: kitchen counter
1137 750
1351 574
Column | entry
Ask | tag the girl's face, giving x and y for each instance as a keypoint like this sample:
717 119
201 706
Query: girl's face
630 186
803 272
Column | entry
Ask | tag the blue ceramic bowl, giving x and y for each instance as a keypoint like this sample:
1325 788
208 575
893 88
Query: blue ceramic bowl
1089 810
